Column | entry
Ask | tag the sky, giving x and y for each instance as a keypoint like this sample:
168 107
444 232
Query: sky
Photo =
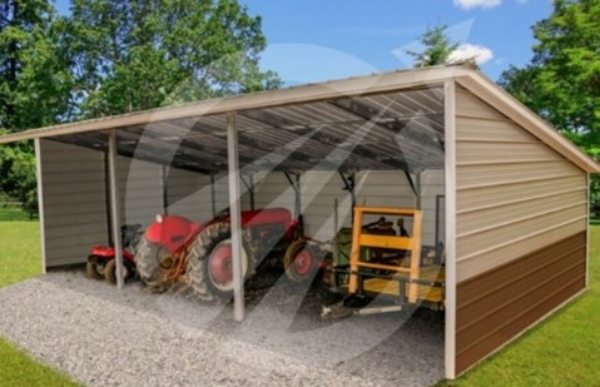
317 40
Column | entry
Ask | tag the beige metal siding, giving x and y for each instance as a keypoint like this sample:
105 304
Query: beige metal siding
319 191
514 194
141 192
273 190
375 188
74 202
189 194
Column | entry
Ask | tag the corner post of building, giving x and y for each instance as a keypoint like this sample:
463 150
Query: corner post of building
115 205
235 211
450 194
40 198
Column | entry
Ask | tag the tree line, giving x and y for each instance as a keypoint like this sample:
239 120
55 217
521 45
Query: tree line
114 56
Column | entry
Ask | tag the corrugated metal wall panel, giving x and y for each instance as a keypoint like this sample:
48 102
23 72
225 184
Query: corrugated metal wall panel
492 196
508 186
432 186
319 191
375 188
486 238
274 190
479 129
467 105
509 251
505 214
521 226
74 202
494 307
475 152
474 176
189 194
141 191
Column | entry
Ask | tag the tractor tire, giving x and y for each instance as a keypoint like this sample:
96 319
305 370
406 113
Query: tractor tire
209 264
300 261
93 271
149 261
110 271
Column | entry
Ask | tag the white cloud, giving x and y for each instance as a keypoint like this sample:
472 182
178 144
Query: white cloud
468 4
471 51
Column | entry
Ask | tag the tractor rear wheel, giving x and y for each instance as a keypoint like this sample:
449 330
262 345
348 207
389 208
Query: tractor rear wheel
210 264
300 261
93 270
152 262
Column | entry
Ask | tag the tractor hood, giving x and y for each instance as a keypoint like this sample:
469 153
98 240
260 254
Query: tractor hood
174 232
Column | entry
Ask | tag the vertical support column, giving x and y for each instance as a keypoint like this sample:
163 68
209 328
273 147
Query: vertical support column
107 199
450 194
587 241
165 189
415 256
40 198
418 186
115 204
252 194
213 195
235 213
357 215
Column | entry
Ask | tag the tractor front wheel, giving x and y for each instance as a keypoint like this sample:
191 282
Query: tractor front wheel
152 263
300 261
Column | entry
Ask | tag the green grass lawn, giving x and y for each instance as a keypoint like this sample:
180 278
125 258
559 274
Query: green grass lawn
20 259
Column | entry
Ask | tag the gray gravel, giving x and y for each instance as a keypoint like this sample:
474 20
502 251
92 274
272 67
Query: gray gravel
105 337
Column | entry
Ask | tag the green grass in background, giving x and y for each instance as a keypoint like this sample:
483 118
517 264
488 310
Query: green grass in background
15 213
20 260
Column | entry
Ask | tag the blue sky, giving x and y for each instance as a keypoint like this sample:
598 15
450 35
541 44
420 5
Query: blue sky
316 40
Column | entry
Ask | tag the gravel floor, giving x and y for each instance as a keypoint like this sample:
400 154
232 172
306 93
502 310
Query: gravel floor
104 337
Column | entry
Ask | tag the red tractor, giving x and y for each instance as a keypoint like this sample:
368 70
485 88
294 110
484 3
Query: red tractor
199 255
101 263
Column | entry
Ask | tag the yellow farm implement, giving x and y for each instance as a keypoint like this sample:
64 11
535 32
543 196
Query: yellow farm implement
387 270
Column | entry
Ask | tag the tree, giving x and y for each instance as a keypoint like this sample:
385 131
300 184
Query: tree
34 88
132 55
438 48
29 65
562 81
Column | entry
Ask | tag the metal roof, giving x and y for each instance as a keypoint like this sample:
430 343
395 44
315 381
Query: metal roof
398 117
402 130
